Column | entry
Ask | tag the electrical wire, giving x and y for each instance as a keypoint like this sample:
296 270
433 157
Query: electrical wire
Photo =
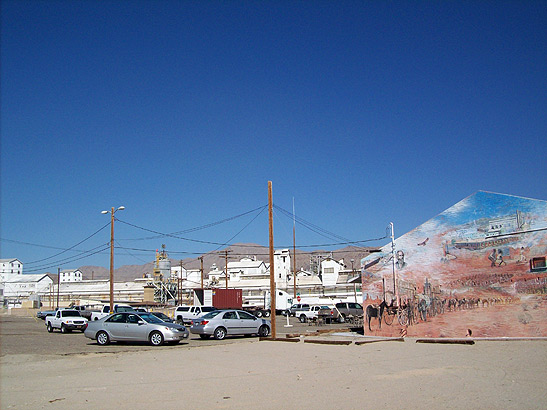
198 228
68 249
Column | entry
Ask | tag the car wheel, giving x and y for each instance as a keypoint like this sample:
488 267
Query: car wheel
49 328
264 331
205 336
156 339
302 318
258 314
220 333
102 338
64 329
267 313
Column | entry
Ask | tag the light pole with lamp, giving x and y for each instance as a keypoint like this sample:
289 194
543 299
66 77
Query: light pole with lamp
112 212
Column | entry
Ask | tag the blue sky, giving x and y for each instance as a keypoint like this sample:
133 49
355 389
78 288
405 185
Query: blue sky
363 112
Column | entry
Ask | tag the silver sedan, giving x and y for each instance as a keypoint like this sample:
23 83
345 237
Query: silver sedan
222 323
137 327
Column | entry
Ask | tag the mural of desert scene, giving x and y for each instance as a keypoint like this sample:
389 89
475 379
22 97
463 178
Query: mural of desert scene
477 269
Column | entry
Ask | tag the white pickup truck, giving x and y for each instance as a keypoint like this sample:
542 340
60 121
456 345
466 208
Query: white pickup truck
310 313
105 311
185 314
66 320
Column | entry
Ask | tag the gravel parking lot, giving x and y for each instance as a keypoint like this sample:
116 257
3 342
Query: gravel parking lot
26 335
67 371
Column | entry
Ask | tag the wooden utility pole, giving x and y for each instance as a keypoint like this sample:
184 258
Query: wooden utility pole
179 290
272 273
112 261
201 270
294 250
226 259
58 285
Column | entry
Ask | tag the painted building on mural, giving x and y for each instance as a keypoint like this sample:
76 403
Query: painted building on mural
487 249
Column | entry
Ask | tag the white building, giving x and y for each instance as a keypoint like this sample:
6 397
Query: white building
23 286
282 266
247 268
191 278
71 275
330 270
11 267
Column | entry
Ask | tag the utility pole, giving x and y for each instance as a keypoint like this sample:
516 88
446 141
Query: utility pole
201 270
112 212
58 285
395 289
272 273
294 250
179 290
226 259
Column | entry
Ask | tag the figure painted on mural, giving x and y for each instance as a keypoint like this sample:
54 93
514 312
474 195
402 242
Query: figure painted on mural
522 257
447 256
400 260
493 257
499 258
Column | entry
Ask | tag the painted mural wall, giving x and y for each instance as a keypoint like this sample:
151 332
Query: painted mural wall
479 267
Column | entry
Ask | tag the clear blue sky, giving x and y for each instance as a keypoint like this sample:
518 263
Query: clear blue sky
363 112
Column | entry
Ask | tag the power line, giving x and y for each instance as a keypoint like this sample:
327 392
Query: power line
198 228
68 249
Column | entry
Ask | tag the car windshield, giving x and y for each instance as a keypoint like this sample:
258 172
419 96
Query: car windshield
70 313
150 318
211 315
160 315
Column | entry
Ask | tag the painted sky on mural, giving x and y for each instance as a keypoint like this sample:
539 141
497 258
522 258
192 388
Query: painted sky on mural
459 241
363 112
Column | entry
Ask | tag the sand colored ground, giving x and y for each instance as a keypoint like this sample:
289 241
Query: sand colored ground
274 375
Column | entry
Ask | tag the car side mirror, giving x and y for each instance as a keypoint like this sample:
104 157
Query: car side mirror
141 322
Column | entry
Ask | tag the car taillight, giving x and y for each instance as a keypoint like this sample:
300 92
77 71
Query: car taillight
85 326
203 322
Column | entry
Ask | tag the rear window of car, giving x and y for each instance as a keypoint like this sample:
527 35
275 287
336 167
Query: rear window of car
211 315
125 309
208 309
183 308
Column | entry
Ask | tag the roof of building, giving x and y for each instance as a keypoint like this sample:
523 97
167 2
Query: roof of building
26 278
245 263
9 260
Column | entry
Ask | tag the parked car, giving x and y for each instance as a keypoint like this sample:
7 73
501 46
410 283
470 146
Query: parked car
44 313
141 310
136 327
295 309
105 311
222 323
344 309
185 314
66 320
311 313
162 316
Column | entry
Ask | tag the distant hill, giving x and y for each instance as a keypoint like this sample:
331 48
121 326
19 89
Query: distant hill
235 253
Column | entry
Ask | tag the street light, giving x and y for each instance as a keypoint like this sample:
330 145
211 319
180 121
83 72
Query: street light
112 212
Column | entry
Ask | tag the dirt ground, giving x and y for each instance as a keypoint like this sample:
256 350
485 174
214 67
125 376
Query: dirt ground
249 373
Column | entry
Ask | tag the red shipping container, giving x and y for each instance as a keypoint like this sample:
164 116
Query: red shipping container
227 298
